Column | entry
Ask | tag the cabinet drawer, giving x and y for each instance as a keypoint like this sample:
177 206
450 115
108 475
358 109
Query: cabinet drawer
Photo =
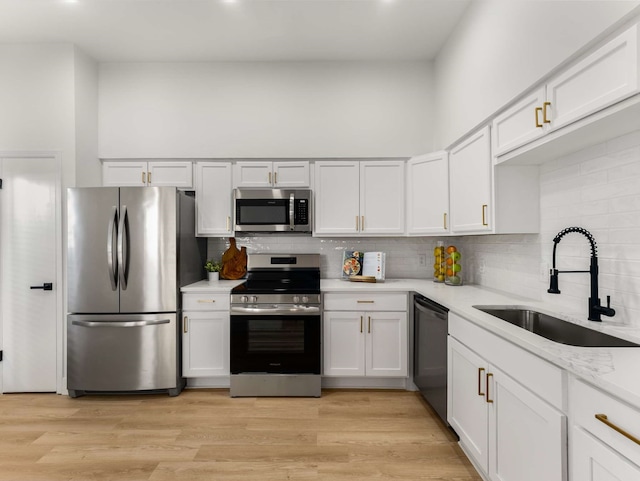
205 302
586 401
367 301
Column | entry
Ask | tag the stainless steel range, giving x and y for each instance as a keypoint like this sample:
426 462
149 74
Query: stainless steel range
275 327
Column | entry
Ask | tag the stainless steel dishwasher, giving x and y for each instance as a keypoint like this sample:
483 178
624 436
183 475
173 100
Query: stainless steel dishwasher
430 352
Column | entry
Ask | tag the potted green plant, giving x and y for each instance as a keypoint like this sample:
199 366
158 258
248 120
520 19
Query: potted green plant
213 269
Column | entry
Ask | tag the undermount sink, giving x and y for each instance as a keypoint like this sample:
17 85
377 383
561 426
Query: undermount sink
554 328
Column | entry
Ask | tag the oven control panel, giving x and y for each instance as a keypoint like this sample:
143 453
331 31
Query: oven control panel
275 299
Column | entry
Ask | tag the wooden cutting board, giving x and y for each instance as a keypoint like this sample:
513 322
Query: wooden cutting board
362 279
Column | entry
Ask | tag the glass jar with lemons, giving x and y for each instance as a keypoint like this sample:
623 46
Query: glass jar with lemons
439 267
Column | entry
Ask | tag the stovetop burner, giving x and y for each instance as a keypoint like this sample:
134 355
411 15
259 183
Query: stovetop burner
281 274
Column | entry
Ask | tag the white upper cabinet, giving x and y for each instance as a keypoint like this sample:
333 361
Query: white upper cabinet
337 198
382 197
520 124
604 77
359 198
213 199
291 174
268 174
428 194
143 174
491 199
470 184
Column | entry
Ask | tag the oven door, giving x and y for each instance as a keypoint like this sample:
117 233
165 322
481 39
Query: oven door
282 344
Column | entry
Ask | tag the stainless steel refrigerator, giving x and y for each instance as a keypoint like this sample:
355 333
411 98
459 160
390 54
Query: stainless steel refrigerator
130 249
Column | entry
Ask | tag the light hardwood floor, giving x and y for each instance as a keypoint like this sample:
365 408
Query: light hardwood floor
206 435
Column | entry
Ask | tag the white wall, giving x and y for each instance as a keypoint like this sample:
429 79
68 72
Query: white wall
289 109
502 47
37 101
597 188
88 169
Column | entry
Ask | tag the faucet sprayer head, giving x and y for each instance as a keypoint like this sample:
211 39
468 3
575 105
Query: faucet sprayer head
579 230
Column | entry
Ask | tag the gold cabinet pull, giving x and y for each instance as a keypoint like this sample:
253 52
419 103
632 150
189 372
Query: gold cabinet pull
488 376
362 224
144 177
484 214
445 220
206 300
545 119
365 302
369 329
184 324
357 224
228 222
480 371
149 177
361 320
275 178
603 419
269 178
538 111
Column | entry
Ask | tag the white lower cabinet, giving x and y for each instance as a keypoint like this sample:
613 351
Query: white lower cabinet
205 335
604 436
365 343
507 430
527 437
592 460
468 412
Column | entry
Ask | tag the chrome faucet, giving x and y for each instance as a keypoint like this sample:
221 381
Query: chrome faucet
595 309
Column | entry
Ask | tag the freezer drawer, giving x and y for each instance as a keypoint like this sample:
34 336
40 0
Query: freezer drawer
122 353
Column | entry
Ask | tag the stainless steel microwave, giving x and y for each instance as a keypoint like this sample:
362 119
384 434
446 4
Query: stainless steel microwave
272 210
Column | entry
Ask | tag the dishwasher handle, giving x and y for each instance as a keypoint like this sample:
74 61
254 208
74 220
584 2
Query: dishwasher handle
429 307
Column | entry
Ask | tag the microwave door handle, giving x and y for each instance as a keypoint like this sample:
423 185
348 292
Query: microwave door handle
292 201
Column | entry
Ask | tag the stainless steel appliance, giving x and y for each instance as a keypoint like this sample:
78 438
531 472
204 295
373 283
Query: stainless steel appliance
276 328
272 210
430 332
130 250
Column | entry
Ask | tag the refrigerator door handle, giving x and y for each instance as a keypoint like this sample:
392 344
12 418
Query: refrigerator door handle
154 322
113 272
122 248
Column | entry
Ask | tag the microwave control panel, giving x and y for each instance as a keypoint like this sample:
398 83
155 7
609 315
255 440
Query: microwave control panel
301 212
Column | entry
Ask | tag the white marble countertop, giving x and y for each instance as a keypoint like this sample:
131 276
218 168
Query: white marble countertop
213 287
612 369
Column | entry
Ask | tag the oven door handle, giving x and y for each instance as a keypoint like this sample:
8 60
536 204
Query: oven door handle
288 311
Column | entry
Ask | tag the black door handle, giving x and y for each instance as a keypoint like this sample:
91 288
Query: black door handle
47 286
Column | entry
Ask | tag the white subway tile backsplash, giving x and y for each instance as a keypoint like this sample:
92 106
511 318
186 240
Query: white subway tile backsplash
401 253
597 188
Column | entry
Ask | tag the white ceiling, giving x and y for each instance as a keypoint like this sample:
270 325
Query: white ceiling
240 30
